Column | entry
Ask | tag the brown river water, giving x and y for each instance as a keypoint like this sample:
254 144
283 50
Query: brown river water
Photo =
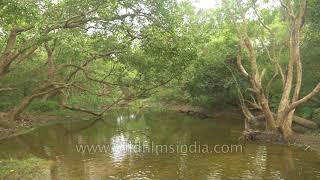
157 145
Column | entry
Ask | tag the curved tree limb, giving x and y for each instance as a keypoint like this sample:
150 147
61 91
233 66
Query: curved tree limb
16 111
62 99
239 63
295 104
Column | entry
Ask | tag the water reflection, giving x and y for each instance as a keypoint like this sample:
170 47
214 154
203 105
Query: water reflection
120 146
56 143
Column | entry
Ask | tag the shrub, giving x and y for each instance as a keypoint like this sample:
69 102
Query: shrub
316 115
305 112
46 106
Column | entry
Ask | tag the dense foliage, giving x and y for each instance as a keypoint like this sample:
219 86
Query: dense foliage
91 55
101 52
213 79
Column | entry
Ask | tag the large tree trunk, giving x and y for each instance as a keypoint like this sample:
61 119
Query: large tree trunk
286 127
51 68
10 54
284 117
270 124
7 55
14 113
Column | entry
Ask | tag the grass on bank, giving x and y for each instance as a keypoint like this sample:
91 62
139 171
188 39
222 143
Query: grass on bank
32 168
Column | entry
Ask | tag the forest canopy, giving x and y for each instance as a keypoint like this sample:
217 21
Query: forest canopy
92 55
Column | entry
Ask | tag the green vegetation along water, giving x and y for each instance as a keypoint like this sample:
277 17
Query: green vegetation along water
123 134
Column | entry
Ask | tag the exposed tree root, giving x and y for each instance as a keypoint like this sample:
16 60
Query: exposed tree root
309 142
262 136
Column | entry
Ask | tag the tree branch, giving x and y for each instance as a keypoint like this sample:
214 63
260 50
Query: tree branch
239 63
62 102
295 104
7 89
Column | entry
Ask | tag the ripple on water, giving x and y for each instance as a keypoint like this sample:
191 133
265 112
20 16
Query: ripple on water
123 129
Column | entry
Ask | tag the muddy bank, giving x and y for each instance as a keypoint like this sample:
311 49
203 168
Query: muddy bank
29 121
307 141
229 111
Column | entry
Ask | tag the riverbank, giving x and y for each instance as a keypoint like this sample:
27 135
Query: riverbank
29 121
215 130
308 140
33 120
57 145
32 168
229 111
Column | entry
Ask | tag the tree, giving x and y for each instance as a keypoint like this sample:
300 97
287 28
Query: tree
294 13
114 51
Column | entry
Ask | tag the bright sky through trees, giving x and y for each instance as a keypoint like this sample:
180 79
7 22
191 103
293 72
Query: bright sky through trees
205 4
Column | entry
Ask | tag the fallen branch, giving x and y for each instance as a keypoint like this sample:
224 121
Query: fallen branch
296 119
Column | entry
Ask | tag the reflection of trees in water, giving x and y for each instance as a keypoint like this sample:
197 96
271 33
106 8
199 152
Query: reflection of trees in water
275 162
57 143
281 164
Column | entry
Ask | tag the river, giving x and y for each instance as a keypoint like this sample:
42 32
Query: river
157 145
